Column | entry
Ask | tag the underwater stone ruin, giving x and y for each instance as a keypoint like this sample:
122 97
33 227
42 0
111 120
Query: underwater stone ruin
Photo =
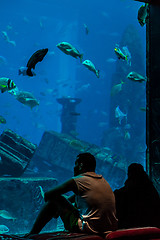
22 199
15 152
52 162
56 154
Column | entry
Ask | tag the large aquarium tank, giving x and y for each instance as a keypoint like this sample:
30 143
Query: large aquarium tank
72 80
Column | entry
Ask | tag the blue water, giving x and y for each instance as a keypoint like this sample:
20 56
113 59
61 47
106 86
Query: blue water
36 24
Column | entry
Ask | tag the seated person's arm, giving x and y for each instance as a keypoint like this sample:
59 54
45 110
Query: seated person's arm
67 186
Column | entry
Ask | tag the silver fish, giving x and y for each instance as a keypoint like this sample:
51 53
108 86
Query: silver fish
3 229
116 88
5 214
68 49
5 36
41 190
127 135
134 76
27 98
86 28
120 115
142 14
88 64
3 60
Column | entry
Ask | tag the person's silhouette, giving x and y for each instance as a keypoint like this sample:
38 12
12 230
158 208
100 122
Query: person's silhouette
138 202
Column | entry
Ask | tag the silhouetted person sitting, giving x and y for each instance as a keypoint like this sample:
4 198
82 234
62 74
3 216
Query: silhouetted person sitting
94 209
138 202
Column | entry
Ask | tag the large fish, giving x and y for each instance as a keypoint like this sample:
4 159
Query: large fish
116 88
3 229
68 49
6 84
34 59
5 214
88 64
134 76
142 14
27 98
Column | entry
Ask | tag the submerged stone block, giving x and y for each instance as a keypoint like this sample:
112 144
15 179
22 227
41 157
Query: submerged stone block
15 153
57 153
22 199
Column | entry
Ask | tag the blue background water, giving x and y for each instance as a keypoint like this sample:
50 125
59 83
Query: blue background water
40 24
36 24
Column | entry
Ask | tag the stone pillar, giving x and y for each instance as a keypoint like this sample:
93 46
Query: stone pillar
69 114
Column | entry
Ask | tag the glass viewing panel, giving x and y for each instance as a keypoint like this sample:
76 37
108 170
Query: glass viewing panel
87 92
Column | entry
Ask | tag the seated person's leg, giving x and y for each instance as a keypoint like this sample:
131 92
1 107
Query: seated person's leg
60 206
48 211
69 214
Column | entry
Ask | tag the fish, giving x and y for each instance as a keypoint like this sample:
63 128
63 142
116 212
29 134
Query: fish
142 14
128 54
34 59
127 135
12 43
77 144
134 76
3 229
86 29
75 114
116 88
6 84
5 214
51 53
27 99
6 38
84 87
9 27
14 91
120 115
143 109
3 60
41 190
68 49
124 55
111 60
23 71
88 64
119 53
3 120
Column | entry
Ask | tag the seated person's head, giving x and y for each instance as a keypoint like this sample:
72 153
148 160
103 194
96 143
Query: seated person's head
137 176
85 162
135 170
